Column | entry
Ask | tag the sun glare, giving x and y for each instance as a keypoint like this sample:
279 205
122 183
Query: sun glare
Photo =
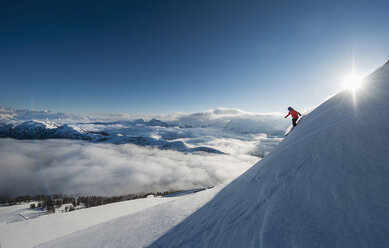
352 81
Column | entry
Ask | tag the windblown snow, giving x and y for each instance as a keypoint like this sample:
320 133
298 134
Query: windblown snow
325 185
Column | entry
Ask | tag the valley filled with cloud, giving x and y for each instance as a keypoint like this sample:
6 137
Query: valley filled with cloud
47 153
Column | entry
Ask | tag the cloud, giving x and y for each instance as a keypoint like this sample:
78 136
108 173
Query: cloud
222 116
214 117
78 167
13 115
81 167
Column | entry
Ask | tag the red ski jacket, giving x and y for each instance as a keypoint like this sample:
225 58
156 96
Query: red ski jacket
294 113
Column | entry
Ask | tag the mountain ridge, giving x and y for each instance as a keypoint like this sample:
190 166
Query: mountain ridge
51 130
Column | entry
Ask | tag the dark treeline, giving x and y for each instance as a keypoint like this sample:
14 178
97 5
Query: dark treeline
56 200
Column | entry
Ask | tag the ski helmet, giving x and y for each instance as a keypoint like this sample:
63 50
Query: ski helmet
290 108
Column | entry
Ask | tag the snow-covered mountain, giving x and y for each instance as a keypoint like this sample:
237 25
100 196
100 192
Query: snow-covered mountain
213 149
220 117
181 132
51 130
43 130
325 185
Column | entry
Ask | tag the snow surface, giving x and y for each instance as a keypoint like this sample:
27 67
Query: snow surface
36 231
17 213
134 223
325 185
137 230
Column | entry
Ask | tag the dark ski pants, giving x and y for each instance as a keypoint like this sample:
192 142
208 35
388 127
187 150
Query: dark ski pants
294 121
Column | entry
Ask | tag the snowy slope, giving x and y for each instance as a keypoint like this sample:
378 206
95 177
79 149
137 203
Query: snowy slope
36 231
134 223
139 229
45 130
17 213
325 185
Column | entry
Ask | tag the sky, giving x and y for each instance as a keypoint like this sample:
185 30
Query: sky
159 57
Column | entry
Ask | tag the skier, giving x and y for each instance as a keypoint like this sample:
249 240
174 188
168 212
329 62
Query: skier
295 115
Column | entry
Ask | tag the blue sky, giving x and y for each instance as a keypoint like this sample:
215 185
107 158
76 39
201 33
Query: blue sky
157 57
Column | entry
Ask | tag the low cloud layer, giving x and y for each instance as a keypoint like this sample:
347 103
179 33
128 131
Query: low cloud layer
77 167
212 117
114 167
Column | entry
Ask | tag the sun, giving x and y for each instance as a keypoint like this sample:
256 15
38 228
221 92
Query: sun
352 81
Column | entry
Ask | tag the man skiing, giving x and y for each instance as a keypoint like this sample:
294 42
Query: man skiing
295 115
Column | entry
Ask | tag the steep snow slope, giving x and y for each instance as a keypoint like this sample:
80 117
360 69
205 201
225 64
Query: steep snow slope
325 185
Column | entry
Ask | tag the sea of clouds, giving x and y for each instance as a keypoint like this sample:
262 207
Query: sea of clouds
77 167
